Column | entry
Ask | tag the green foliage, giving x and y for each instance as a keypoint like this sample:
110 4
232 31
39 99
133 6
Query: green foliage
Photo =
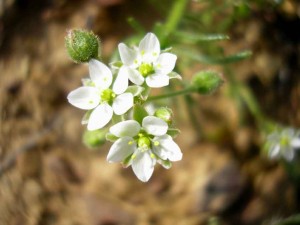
217 59
293 220
191 37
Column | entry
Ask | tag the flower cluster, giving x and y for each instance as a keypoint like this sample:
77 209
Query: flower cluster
283 143
140 140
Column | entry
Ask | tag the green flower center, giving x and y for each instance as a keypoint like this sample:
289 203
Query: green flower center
144 143
108 96
284 141
146 69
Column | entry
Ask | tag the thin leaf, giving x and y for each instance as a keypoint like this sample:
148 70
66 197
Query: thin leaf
192 37
217 60
136 25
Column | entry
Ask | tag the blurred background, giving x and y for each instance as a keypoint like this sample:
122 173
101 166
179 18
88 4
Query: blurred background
48 176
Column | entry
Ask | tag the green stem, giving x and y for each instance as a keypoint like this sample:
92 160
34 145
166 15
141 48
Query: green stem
174 17
172 94
193 116
244 94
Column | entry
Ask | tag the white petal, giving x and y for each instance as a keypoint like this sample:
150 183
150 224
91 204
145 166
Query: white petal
122 103
289 132
100 117
274 151
165 63
149 47
135 76
121 149
167 148
84 97
100 74
274 137
128 55
157 80
288 153
128 128
121 82
143 166
155 126
295 143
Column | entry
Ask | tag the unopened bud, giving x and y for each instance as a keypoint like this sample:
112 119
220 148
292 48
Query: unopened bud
165 114
206 82
82 45
94 139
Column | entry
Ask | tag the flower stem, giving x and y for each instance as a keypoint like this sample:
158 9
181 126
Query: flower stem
172 94
174 17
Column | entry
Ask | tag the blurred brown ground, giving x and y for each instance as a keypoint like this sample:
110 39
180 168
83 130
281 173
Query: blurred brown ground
47 176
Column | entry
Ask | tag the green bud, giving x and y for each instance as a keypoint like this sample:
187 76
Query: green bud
94 139
206 82
82 45
165 114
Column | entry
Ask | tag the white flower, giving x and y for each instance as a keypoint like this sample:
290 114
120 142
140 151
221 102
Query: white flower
143 146
96 95
283 143
145 63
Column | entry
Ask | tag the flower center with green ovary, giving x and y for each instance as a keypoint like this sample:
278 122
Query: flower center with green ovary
284 141
108 96
144 143
145 69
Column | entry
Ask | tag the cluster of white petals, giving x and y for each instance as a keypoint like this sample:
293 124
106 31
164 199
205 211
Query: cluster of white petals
105 94
97 95
145 63
143 146
283 144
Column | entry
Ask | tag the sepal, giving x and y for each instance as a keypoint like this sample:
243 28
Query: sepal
110 137
173 132
94 139
139 113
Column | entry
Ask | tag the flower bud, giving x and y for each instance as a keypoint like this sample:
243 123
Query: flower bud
165 114
82 45
206 82
94 139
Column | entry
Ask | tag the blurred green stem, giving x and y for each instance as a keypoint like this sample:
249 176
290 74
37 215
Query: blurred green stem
173 19
172 94
244 94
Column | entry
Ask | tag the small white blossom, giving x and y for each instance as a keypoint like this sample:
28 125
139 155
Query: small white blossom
143 146
96 95
145 63
283 143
